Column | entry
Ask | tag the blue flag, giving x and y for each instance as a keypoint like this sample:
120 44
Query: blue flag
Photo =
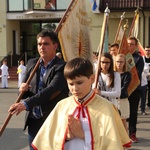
106 40
94 6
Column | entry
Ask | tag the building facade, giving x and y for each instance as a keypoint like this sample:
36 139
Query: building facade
21 20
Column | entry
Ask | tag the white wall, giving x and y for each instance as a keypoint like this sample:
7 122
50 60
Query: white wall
3 46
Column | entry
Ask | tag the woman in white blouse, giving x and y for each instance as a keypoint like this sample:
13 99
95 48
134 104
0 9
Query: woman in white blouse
109 83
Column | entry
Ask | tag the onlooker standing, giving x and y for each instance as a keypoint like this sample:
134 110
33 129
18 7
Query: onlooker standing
134 98
147 61
21 72
95 60
47 87
58 54
144 87
4 74
123 103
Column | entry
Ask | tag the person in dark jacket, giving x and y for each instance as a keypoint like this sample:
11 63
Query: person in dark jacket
47 87
147 61
123 103
134 98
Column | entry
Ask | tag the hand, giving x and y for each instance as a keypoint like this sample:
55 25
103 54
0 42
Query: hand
24 87
97 91
69 135
74 128
16 108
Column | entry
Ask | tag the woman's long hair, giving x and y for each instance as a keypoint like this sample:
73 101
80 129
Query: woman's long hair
125 66
110 70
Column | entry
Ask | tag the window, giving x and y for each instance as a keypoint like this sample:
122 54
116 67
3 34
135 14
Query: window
22 5
63 4
15 5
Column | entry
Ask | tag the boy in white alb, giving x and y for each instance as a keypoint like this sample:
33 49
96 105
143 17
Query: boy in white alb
21 72
83 121
4 74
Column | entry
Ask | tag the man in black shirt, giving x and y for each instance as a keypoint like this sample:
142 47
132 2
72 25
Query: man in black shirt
147 60
134 98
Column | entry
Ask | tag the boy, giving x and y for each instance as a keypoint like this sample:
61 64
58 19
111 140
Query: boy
4 74
21 72
83 121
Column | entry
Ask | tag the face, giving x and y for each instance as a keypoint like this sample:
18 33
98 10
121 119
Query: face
132 46
59 55
105 64
147 51
4 62
46 48
113 51
80 86
22 62
120 62
94 56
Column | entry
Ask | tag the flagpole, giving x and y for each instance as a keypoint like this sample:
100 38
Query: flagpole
119 26
133 22
105 22
34 70
125 28
65 16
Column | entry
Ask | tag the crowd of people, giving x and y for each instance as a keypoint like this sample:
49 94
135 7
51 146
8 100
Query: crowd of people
5 73
92 117
126 104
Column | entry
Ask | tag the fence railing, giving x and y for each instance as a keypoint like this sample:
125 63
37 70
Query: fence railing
124 4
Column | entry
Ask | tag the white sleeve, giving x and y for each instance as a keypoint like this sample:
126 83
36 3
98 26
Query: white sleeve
146 68
116 90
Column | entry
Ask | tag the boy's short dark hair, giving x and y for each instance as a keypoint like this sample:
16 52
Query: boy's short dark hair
95 53
49 33
78 67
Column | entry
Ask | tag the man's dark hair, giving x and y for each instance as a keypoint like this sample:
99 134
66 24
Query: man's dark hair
78 67
114 45
147 46
133 38
49 33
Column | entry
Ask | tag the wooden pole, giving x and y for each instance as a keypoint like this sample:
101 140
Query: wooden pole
133 22
65 16
119 27
106 16
35 68
125 28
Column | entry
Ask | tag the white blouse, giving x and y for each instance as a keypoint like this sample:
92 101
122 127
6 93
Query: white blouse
110 93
